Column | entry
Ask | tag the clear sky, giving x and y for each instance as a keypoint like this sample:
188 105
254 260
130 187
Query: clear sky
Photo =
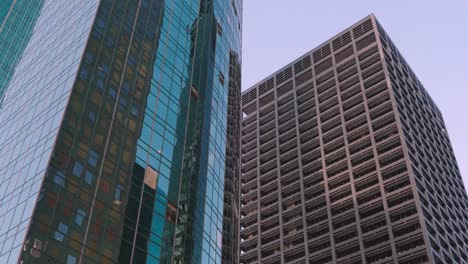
432 35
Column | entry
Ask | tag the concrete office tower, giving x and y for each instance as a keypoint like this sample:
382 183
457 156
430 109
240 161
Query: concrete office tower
114 130
345 159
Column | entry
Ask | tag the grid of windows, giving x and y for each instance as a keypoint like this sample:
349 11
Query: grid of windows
440 187
136 171
202 181
17 14
159 147
326 176
5 7
32 108
231 213
80 211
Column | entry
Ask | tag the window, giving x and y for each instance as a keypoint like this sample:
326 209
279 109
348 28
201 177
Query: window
61 232
134 109
123 102
63 158
84 74
37 248
79 216
71 259
171 213
105 186
365 41
112 93
77 169
88 177
92 116
59 179
118 194
89 57
100 84
92 158
151 177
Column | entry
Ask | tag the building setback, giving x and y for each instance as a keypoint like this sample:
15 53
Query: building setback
114 130
345 159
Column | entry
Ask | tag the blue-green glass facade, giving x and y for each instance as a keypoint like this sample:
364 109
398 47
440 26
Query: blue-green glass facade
32 109
116 152
17 21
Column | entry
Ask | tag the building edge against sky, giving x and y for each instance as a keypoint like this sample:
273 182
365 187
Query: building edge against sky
360 168
113 132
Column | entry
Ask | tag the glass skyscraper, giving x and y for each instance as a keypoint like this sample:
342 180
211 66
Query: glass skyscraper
114 130
14 15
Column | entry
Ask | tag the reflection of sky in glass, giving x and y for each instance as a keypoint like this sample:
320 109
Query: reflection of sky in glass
39 91
163 133
4 9
13 15
37 95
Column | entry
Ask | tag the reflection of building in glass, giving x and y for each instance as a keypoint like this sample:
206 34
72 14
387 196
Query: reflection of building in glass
345 159
17 21
113 132
231 219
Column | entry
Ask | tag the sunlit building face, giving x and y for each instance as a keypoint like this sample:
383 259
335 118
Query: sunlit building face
346 160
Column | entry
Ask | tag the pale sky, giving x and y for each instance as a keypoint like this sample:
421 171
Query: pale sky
432 35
